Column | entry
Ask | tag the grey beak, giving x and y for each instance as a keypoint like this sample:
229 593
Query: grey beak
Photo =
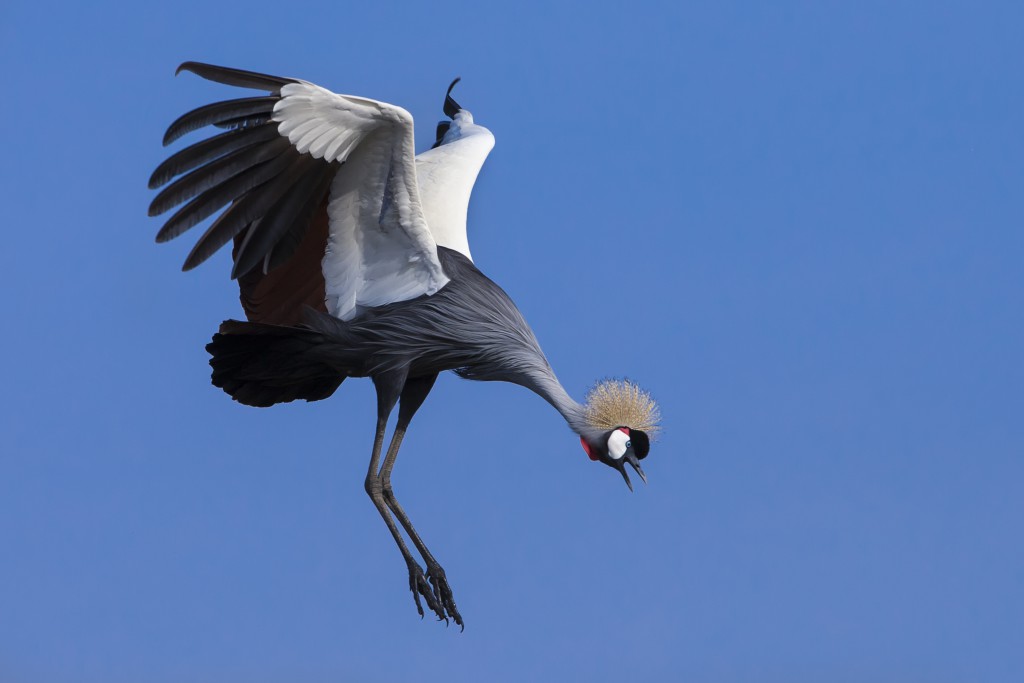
622 470
631 459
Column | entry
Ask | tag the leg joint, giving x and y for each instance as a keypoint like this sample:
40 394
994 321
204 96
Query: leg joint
373 485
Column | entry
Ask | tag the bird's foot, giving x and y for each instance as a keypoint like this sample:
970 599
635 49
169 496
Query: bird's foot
419 585
443 593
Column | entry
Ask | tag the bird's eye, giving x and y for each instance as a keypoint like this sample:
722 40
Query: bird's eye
629 444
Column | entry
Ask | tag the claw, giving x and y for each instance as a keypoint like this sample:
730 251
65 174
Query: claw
433 587
416 598
419 585
443 593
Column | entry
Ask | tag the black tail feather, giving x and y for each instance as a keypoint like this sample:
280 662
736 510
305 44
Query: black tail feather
260 365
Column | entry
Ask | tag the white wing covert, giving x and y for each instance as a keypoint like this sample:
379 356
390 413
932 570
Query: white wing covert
380 249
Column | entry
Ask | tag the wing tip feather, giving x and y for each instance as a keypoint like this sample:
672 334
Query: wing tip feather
159 178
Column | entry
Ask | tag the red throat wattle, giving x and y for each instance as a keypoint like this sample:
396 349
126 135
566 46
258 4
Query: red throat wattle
586 447
590 451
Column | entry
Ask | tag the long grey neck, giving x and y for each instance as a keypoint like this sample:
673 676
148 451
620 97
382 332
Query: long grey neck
542 381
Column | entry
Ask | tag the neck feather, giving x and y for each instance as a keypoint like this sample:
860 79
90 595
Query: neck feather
544 383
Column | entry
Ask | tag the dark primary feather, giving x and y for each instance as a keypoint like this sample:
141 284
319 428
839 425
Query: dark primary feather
295 234
226 193
236 77
219 112
216 173
442 129
250 207
293 210
273 191
451 107
201 152
218 197
242 122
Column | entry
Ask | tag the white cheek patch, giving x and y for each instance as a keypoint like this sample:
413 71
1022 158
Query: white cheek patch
617 444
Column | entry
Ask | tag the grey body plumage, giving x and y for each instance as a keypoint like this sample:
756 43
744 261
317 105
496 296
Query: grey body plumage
292 214
471 326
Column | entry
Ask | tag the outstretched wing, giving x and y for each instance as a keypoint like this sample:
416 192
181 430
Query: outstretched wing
448 171
293 163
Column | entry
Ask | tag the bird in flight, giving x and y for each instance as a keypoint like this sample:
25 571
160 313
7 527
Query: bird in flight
352 260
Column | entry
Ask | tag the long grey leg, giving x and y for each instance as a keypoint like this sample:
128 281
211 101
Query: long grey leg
389 388
413 395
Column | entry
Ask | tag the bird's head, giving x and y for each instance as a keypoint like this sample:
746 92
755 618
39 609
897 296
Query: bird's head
621 419
617 447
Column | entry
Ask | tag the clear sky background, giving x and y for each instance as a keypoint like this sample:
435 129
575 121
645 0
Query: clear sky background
799 224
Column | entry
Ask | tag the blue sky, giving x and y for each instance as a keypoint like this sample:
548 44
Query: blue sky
799 224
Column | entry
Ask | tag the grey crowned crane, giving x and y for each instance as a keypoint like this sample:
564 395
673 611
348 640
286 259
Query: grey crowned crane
351 257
